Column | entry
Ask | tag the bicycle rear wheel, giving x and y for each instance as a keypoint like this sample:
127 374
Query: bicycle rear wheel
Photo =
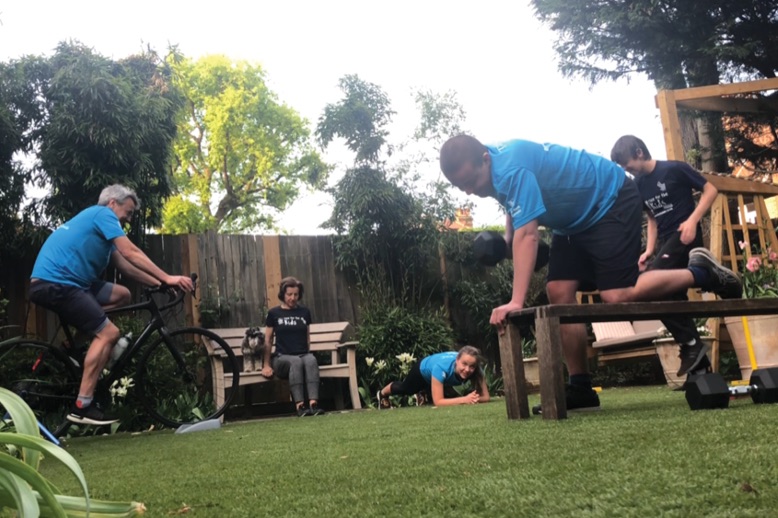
175 393
44 377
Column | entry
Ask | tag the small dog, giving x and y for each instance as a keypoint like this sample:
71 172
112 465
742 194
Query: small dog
252 347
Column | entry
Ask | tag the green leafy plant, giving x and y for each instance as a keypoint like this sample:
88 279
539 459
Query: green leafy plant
24 489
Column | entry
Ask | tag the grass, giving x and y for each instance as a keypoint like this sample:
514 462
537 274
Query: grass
645 454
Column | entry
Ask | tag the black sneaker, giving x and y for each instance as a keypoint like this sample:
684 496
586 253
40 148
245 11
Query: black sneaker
691 356
316 410
90 415
578 400
723 282
304 411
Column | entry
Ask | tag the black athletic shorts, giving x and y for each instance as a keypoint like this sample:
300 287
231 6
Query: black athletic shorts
605 256
76 306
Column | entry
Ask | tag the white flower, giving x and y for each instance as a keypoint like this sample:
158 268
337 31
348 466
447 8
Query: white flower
406 358
380 365
120 387
369 361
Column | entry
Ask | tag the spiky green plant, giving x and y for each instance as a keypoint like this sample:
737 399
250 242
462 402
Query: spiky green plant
25 490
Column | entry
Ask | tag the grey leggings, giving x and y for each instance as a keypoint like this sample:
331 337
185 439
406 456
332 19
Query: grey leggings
298 369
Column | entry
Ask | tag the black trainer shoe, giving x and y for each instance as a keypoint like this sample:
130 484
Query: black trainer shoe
316 410
578 400
90 415
691 356
304 411
723 282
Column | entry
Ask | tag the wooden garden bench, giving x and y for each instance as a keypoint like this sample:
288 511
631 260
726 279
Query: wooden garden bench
332 338
549 343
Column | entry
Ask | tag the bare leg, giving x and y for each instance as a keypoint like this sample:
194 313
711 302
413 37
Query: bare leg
652 285
96 358
120 296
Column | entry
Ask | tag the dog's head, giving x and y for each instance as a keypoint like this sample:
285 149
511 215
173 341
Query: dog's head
255 335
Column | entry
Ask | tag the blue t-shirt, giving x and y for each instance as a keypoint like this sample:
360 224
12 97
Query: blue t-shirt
78 252
668 192
441 367
566 190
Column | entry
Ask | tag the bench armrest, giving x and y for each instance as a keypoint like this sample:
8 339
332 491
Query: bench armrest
348 345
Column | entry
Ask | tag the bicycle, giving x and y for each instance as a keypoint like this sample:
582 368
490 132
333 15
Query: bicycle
173 374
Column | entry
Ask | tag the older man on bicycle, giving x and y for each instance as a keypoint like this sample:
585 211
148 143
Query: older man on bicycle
66 280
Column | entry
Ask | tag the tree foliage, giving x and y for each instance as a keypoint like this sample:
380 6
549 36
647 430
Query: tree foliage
107 122
241 154
360 118
676 44
17 113
76 122
389 225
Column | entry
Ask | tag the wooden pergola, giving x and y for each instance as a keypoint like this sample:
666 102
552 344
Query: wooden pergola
736 196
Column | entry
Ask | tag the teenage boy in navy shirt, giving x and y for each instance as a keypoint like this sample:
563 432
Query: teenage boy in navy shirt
667 188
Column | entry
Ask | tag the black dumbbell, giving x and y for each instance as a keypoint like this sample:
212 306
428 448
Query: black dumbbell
490 248
711 391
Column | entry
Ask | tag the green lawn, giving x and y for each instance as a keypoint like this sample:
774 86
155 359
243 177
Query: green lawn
645 454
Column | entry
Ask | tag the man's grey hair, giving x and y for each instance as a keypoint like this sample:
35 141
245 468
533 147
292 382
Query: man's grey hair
117 192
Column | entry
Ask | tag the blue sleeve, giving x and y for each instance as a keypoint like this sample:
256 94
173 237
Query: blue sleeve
438 373
441 365
524 201
108 224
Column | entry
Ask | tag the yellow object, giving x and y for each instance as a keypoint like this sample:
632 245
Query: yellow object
749 344
739 383
597 389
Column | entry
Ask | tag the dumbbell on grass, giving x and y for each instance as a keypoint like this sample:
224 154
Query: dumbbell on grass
490 248
711 391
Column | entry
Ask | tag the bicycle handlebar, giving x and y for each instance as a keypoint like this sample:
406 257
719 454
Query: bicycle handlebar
175 299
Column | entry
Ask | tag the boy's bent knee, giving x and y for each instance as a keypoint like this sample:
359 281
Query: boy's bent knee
617 296
561 292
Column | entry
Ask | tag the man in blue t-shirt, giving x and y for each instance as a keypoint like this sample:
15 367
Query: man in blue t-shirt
66 280
667 190
595 214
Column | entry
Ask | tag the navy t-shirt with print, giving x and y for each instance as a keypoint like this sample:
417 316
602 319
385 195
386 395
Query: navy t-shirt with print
290 327
668 192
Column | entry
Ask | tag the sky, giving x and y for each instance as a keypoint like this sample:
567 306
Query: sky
494 54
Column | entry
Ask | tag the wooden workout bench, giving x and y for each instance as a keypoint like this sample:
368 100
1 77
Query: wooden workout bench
549 344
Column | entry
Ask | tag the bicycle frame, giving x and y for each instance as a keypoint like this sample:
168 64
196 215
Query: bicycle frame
155 323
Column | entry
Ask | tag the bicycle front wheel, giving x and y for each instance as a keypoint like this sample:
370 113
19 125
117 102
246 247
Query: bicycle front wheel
176 379
44 377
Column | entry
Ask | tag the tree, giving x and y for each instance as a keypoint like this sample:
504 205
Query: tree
240 154
18 113
388 226
676 44
95 122
360 118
